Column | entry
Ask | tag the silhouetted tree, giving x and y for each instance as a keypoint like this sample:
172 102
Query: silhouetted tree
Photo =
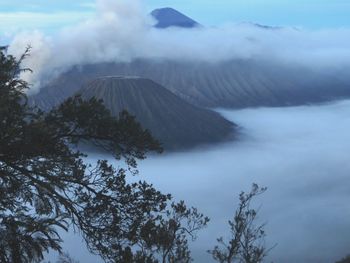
246 244
344 260
47 184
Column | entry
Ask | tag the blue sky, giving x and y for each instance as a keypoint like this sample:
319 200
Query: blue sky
50 15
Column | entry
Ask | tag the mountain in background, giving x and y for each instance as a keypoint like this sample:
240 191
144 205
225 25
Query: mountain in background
231 84
174 122
169 17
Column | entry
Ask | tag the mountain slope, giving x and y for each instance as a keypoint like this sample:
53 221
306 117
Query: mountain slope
234 84
169 17
174 122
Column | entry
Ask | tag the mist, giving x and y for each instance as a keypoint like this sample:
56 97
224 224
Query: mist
121 31
300 153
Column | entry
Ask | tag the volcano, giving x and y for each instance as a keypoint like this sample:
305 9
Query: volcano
174 122
169 17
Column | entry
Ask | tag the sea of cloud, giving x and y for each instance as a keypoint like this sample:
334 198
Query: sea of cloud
300 153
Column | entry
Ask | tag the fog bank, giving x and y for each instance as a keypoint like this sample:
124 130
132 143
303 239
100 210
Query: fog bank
300 153
122 31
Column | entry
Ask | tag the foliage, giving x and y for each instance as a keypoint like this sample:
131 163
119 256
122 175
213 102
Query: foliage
344 260
246 244
46 184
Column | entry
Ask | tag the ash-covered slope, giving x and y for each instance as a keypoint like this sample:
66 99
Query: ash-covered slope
236 83
169 17
174 122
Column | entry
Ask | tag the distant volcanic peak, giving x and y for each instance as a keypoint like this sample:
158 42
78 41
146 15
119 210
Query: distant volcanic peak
169 17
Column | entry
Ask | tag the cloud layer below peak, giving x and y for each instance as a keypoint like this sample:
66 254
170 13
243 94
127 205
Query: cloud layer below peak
121 31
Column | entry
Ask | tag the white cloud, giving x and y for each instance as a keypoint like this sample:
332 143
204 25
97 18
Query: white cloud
121 30
300 153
